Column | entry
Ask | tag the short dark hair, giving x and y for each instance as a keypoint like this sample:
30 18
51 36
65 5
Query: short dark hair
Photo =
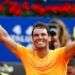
39 25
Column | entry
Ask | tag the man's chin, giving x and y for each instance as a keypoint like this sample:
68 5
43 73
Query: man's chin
41 47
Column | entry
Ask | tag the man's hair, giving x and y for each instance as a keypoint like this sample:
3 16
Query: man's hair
63 33
39 25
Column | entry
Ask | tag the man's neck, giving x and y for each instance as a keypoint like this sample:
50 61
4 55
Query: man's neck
41 52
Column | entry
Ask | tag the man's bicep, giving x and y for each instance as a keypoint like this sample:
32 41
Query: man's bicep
70 49
17 48
10 44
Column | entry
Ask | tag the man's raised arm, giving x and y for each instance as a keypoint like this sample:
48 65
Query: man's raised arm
70 49
6 40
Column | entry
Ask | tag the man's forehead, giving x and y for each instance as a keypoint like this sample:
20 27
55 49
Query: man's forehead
39 30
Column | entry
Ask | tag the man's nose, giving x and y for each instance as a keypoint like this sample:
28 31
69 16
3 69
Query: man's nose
40 36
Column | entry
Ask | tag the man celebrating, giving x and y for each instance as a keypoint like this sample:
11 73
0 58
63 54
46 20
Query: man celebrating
40 60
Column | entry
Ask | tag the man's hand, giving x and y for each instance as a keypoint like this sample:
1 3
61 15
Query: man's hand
3 33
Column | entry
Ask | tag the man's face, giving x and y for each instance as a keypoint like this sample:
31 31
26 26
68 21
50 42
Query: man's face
40 38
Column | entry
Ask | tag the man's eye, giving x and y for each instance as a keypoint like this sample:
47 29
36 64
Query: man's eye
43 34
35 35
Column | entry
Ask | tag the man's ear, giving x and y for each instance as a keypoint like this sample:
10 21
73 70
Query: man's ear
49 38
31 38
